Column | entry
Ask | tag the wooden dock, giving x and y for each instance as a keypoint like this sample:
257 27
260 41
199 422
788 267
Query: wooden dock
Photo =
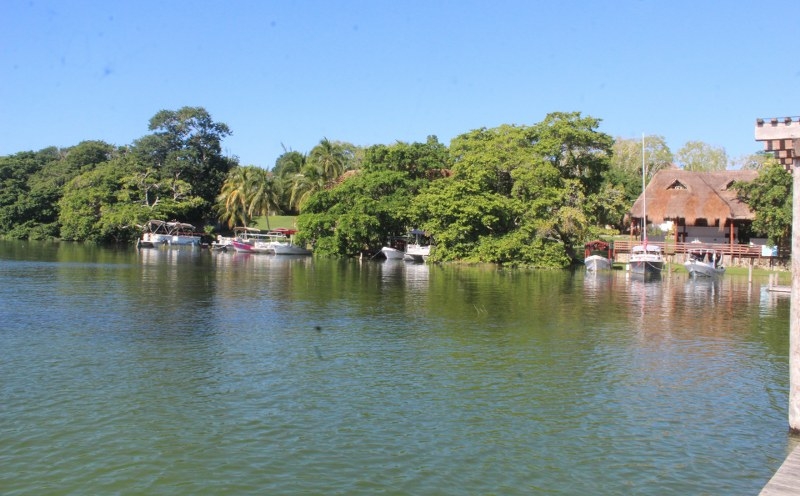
786 480
623 246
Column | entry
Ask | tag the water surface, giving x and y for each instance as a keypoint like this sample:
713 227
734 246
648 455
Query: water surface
181 371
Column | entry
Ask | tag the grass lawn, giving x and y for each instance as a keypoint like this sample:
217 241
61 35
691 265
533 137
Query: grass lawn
275 221
784 276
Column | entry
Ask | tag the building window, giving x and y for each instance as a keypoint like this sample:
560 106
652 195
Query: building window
677 185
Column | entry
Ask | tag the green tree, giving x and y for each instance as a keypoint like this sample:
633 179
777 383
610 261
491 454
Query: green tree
753 161
467 221
519 194
622 182
18 210
325 164
264 194
310 180
329 158
86 198
572 143
248 192
232 202
358 214
185 150
288 165
628 159
769 196
33 184
698 156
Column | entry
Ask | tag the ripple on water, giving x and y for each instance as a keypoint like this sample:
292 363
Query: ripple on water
208 375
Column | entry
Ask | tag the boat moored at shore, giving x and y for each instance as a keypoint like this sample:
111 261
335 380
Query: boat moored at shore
173 233
276 242
704 262
597 255
646 259
419 249
395 248
283 244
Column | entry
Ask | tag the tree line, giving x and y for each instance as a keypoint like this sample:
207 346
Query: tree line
513 195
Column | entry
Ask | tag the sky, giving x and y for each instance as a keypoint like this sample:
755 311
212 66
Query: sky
285 74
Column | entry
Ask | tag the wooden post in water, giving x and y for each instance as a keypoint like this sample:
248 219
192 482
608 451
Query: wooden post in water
794 322
781 136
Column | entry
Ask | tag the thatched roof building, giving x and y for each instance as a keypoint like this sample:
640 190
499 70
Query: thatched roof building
675 194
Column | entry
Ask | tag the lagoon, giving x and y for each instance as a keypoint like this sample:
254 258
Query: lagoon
182 371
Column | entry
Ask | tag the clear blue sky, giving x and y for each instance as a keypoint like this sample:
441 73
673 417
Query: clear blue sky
288 73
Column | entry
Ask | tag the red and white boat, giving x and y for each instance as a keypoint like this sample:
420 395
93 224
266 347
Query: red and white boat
597 255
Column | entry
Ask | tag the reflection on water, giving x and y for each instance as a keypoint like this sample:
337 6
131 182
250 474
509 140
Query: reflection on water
184 371
414 276
770 299
168 254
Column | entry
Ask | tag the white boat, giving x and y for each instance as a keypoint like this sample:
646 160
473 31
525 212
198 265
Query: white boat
597 255
253 243
417 253
395 248
704 262
159 232
154 233
289 248
183 234
222 243
277 242
251 240
419 249
392 253
646 259
281 243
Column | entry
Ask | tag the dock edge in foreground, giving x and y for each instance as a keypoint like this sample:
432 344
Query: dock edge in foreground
786 480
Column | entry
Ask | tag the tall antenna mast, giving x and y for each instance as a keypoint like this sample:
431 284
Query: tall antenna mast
644 195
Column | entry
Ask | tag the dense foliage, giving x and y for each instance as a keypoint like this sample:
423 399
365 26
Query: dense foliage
361 212
770 197
519 195
96 192
515 195
512 195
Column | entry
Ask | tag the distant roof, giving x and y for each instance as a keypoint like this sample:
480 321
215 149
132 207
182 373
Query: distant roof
675 193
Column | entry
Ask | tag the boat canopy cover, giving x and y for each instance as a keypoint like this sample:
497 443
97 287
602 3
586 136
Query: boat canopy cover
180 225
154 225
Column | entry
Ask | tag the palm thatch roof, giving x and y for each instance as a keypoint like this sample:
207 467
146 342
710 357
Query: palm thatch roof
676 193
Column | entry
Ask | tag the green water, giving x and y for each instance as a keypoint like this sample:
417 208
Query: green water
181 371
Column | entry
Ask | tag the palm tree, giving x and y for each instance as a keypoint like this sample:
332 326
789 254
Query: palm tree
310 180
329 157
286 167
248 192
264 194
232 202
